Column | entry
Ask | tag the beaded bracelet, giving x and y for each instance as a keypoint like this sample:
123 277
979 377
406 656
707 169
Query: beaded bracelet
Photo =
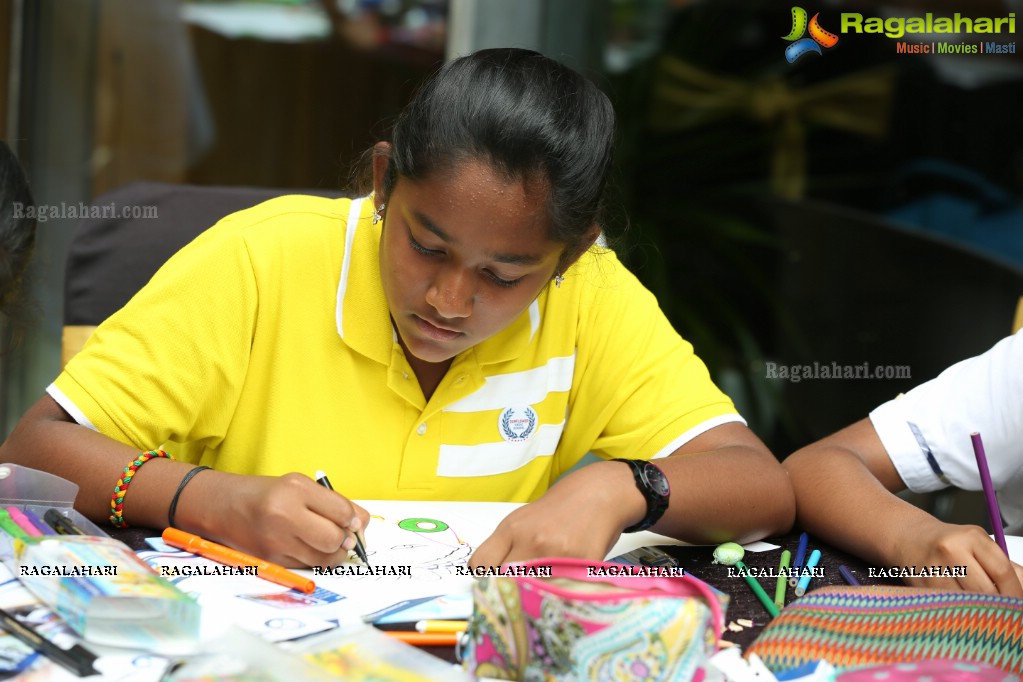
117 501
177 493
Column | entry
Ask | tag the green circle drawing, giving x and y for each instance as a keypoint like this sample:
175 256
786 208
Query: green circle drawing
414 525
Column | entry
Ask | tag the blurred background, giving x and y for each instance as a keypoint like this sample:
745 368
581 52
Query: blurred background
858 207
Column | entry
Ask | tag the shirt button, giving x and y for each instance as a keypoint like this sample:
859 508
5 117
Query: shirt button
405 375
460 379
421 429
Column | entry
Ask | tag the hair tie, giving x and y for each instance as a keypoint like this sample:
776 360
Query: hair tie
177 494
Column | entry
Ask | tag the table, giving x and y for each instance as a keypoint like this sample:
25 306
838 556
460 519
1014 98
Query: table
136 539
697 560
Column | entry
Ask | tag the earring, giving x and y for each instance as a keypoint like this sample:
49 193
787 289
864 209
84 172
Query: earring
558 279
376 213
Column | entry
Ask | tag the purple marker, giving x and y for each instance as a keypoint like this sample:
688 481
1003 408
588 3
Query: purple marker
43 527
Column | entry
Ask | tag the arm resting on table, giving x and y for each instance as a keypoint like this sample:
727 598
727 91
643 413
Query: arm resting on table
725 485
845 487
290 519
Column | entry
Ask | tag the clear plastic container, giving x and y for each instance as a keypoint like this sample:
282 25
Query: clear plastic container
96 584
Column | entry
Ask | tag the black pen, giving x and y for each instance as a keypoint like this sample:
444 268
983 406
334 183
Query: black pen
360 549
61 523
76 659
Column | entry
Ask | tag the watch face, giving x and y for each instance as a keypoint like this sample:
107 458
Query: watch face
655 479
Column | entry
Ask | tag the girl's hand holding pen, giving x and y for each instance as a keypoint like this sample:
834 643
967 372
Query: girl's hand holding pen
360 548
289 520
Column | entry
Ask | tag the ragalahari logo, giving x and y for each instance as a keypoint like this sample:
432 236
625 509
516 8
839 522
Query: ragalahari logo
818 36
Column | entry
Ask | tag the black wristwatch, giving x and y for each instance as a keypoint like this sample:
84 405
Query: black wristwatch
652 482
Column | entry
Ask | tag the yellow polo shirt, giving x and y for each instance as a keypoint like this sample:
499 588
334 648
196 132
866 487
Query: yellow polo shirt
265 346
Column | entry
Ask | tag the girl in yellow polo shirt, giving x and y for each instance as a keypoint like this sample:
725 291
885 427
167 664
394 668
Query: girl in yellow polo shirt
456 335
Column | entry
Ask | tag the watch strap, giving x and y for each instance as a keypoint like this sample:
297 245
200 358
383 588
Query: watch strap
656 504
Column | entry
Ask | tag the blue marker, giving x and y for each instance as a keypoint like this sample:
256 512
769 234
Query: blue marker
797 563
807 572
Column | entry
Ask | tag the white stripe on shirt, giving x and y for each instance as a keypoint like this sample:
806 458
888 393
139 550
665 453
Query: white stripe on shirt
69 407
697 430
353 221
529 387
488 459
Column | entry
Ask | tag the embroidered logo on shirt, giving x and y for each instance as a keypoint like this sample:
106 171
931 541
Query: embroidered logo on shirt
517 423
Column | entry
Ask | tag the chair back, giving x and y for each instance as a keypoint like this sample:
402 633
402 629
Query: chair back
130 233
859 288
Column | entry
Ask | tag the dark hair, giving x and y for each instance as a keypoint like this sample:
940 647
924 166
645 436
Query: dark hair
528 116
17 233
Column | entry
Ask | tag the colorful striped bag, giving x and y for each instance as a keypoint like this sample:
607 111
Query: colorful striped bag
851 627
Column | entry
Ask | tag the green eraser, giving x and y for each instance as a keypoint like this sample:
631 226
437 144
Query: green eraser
728 554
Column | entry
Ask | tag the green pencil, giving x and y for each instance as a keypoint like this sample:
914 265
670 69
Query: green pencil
783 580
758 590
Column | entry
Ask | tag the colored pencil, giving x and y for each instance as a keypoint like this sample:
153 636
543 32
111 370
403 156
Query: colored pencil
807 572
848 576
783 581
804 540
989 492
757 589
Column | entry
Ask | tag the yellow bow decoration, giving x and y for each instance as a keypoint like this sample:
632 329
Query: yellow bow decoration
685 96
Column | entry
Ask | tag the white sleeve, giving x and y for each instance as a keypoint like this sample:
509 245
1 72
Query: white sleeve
927 431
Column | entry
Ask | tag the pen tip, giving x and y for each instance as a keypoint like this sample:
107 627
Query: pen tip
320 474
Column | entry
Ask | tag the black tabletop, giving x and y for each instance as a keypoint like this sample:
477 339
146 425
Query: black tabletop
743 604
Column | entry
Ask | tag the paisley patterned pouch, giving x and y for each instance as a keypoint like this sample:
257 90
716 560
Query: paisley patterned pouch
567 619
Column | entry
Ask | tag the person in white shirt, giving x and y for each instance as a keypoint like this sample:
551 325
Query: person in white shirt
845 484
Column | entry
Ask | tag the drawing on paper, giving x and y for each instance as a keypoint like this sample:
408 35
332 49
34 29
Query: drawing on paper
427 545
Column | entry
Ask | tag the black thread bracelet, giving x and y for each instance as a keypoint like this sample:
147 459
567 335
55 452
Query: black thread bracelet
177 493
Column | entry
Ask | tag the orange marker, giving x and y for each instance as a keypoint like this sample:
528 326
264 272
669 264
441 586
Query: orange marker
232 557
426 638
